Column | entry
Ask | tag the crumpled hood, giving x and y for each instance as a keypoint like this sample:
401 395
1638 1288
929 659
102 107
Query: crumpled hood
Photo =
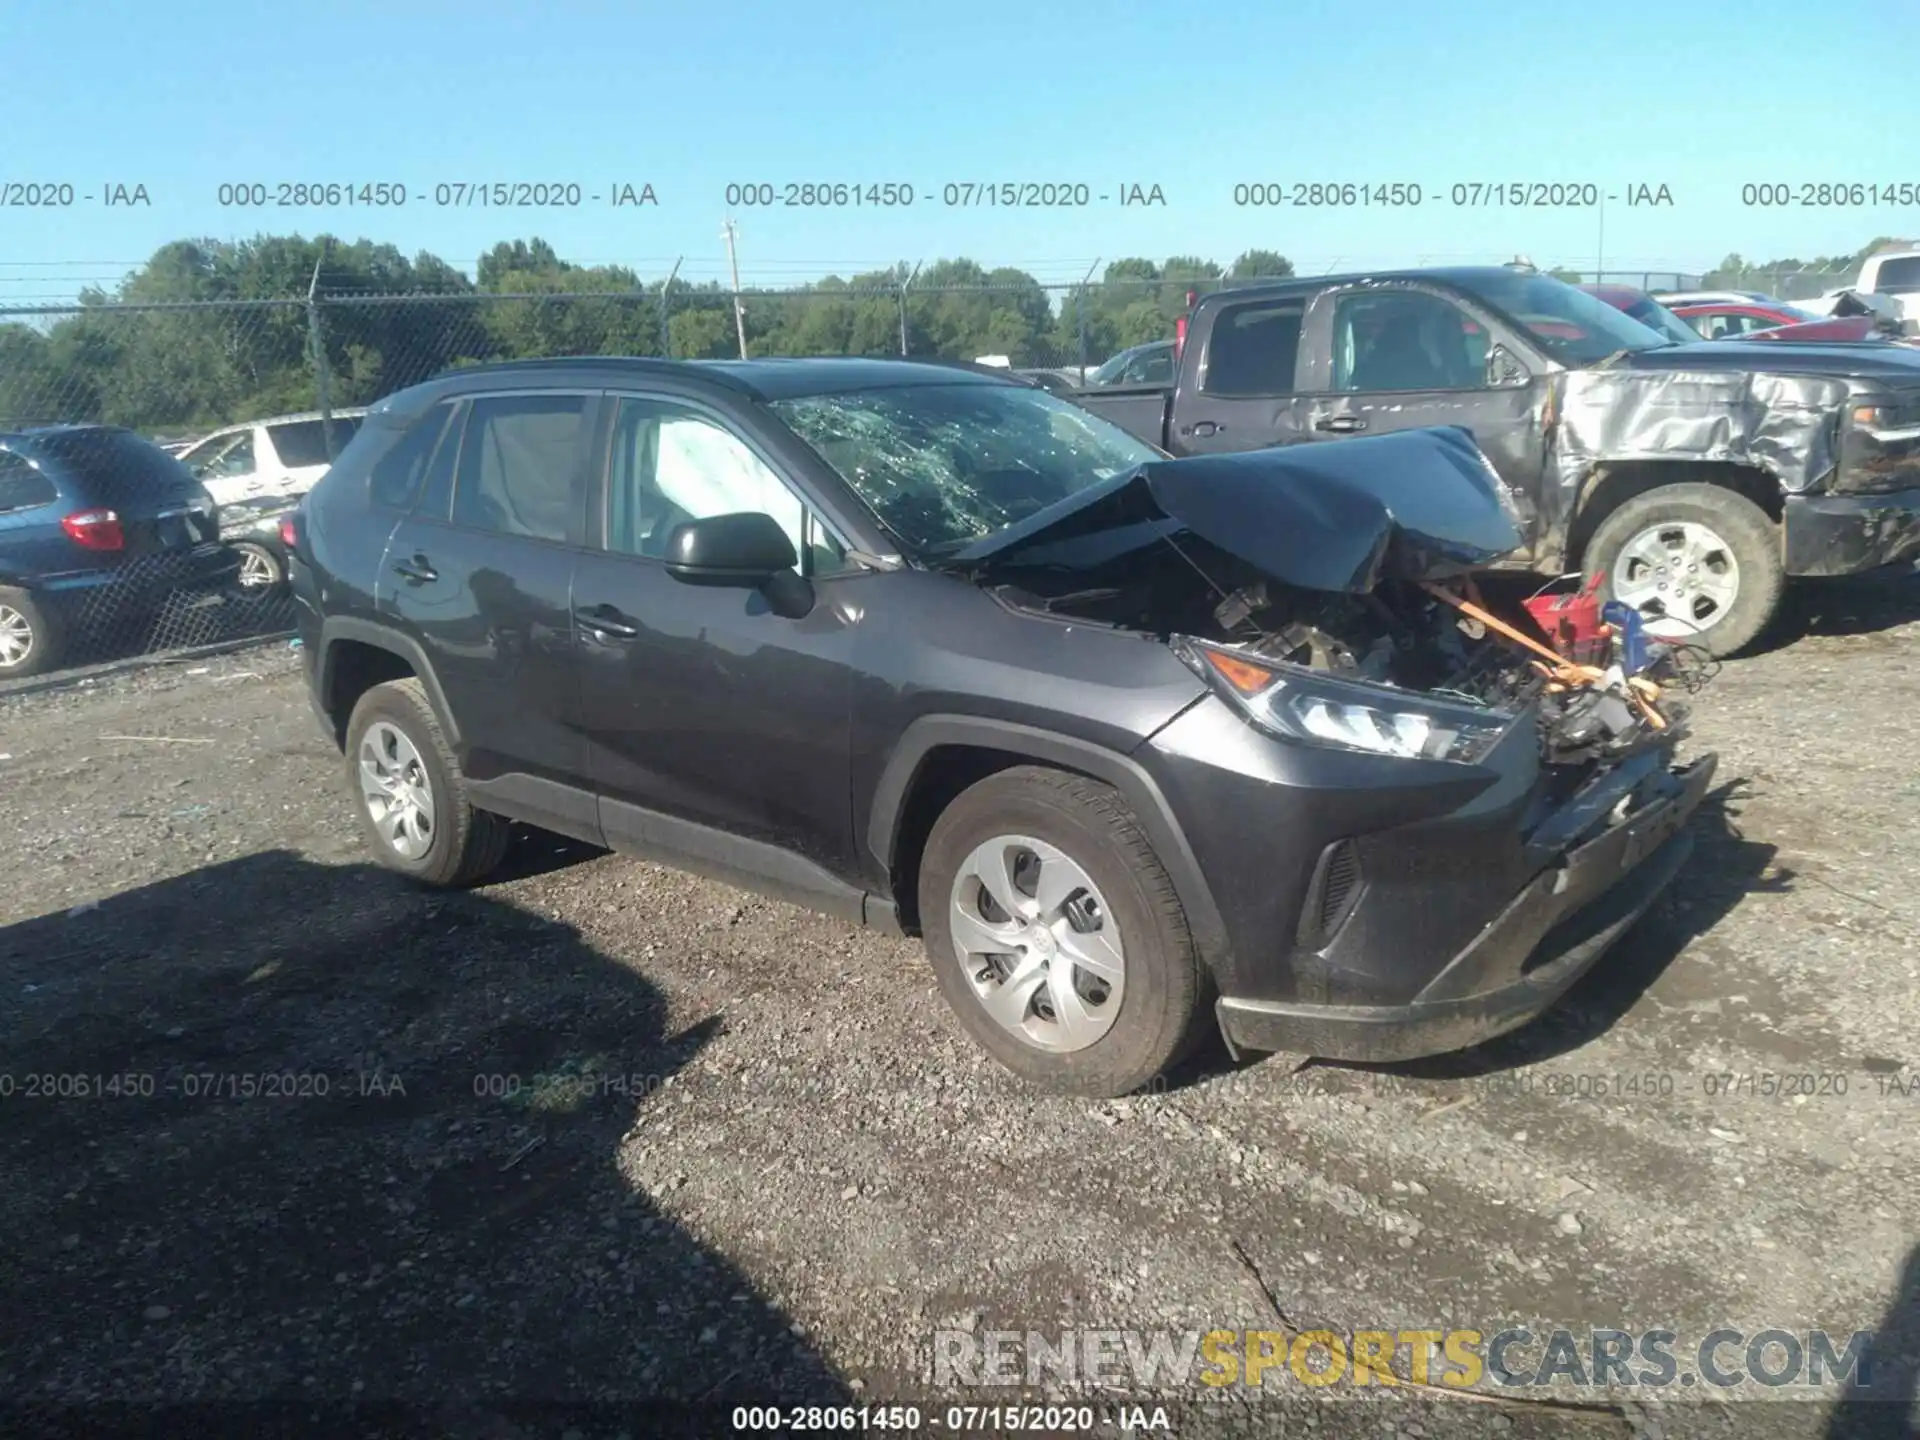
1897 365
1339 516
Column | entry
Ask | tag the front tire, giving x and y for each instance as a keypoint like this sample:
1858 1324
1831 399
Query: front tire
31 640
1700 563
1056 936
412 796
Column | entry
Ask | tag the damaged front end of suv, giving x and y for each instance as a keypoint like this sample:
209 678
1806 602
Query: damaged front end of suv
1480 791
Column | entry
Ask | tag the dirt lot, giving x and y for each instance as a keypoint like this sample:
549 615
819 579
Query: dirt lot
779 1167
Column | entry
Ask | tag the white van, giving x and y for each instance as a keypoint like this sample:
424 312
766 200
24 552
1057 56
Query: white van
254 472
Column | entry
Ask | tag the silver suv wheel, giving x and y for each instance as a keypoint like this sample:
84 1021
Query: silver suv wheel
16 637
1037 943
397 791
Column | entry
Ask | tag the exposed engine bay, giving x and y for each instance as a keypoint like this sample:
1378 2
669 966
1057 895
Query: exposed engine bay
1602 688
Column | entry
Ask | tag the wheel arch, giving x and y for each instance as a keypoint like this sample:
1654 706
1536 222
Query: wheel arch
1612 484
939 756
356 655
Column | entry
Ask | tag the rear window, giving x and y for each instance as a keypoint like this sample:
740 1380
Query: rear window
1254 348
1899 276
396 476
304 442
114 466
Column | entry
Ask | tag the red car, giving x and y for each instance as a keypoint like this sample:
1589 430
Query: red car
1755 321
1641 306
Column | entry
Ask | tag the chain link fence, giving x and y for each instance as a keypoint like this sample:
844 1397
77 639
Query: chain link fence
204 377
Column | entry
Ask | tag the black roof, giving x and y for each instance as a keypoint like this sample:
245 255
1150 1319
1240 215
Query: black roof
771 379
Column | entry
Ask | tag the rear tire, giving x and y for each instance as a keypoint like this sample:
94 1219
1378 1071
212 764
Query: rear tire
1092 883
1715 552
31 640
399 762
262 574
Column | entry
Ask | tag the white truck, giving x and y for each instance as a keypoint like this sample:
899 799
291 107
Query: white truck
1895 275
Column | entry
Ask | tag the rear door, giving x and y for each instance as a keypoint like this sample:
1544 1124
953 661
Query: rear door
1402 357
1246 390
480 575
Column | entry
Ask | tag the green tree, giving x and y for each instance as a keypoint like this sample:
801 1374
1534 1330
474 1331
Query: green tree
1260 265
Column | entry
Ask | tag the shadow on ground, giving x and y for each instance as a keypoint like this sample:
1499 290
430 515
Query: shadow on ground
1847 605
1885 1404
276 1132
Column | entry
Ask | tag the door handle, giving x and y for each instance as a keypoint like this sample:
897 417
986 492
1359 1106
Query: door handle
418 569
1202 427
1341 424
605 620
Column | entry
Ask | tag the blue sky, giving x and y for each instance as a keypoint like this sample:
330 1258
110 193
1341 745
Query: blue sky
1701 97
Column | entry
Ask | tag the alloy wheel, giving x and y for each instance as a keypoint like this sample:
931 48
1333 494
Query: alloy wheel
1680 576
257 571
16 638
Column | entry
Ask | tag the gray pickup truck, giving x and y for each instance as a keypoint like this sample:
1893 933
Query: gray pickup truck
1696 477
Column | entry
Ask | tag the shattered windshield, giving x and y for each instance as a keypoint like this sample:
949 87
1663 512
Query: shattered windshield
1572 326
943 465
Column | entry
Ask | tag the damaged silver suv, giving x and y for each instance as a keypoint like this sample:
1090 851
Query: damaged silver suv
1138 746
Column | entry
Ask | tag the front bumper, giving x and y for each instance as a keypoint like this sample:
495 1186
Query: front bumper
1366 908
1527 958
1849 534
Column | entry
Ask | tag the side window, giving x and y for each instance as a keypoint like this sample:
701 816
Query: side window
671 465
302 444
237 458
1153 368
519 461
22 487
1404 340
395 480
1254 349
224 458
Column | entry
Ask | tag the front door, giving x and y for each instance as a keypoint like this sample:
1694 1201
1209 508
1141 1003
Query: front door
228 466
481 575
1390 358
721 707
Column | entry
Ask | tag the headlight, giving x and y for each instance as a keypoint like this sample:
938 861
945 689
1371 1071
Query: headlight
1311 706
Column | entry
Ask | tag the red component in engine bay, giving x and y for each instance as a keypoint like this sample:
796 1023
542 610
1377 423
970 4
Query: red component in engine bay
1573 623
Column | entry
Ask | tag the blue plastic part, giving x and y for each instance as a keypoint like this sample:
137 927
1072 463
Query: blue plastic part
1627 624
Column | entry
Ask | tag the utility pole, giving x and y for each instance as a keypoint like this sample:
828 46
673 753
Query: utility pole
739 311
904 287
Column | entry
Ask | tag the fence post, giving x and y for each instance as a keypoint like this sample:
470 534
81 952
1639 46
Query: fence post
317 344
1081 308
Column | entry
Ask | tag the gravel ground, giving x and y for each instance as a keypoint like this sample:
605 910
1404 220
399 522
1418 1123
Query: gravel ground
772 1166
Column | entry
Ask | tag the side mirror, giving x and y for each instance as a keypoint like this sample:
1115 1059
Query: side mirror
1503 371
745 549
